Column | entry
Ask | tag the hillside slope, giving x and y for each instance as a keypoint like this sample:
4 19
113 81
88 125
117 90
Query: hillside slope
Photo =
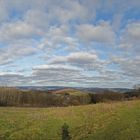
104 121
69 91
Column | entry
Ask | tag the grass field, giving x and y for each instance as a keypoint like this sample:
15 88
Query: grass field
104 121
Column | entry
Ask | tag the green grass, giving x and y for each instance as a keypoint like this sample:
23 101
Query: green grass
104 121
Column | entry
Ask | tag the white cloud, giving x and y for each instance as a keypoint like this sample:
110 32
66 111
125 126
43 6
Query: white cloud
52 66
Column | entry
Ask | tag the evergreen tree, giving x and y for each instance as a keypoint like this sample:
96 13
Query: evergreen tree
65 132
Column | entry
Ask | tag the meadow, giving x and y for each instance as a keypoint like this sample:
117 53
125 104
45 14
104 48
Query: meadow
102 121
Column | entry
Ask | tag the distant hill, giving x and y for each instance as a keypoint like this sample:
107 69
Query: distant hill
82 89
100 90
41 88
69 91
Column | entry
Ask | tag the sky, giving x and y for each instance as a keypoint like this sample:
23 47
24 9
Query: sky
77 43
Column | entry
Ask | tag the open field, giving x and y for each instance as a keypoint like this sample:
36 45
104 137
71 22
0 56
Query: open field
103 121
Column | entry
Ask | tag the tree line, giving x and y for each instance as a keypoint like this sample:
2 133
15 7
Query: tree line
32 98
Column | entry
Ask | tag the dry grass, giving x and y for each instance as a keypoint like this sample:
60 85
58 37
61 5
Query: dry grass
104 121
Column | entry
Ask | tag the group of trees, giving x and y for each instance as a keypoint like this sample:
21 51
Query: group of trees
106 96
15 97
133 94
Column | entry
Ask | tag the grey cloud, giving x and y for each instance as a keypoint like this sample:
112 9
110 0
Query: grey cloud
76 57
58 38
67 75
131 36
130 66
12 79
14 52
101 33
50 25
64 75
129 40
85 60
10 32
37 18
55 73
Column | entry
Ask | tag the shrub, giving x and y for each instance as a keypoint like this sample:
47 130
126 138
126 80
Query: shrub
65 132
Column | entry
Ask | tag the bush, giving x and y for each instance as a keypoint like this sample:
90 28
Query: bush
65 132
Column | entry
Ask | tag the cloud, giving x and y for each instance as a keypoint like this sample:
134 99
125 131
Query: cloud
18 30
15 52
129 66
132 32
79 59
37 18
130 38
60 74
101 33
70 42
12 79
3 11
58 38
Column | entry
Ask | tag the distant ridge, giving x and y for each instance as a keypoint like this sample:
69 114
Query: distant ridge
94 89
70 91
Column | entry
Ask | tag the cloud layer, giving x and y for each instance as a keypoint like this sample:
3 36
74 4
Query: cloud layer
92 43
